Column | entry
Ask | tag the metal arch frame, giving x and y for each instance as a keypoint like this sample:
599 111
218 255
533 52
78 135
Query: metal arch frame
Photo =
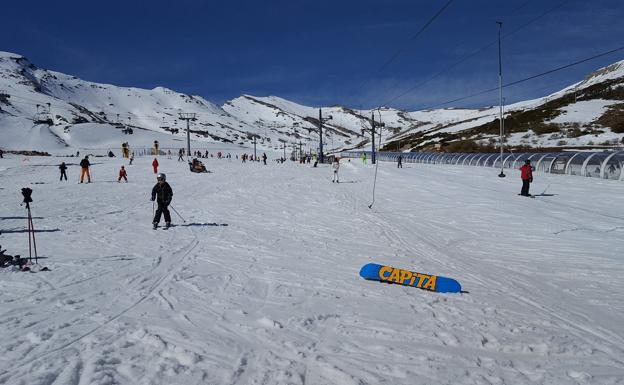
488 158
507 157
540 160
556 156
467 158
463 155
477 160
567 166
584 166
517 159
604 164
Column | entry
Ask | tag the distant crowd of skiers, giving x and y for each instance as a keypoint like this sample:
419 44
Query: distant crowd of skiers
162 192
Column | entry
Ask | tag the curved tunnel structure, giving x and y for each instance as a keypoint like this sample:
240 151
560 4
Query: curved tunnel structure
603 164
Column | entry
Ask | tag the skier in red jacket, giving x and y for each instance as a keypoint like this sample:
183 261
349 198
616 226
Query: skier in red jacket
526 173
155 165
122 174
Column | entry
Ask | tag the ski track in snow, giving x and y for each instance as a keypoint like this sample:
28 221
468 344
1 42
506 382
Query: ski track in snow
274 297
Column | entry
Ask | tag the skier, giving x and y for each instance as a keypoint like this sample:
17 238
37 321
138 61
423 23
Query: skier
155 165
84 169
63 167
400 161
335 167
122 174
1 153
264 158
162 194
168 154
180 153
364 158
526 173
131 157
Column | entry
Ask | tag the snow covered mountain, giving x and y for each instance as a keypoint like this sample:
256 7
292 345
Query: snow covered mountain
50 111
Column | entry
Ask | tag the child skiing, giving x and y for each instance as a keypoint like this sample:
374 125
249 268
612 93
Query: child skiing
155 165
162 194
335 167
122 174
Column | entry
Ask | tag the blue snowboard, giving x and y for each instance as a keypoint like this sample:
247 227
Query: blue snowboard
389 274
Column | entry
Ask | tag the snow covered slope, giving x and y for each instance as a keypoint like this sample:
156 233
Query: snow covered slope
586 113
261 285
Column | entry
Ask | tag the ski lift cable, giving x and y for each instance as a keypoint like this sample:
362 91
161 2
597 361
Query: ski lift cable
400 50
478 51
527 78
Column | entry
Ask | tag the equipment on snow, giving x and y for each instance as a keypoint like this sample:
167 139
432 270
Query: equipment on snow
389 274
176 211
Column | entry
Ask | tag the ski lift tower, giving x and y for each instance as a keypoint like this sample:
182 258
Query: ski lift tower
188 116
321 120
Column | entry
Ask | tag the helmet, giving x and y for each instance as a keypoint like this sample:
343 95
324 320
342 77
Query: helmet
528 161
161 176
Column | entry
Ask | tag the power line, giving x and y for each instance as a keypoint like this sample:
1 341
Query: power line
478 51
400 50
528 78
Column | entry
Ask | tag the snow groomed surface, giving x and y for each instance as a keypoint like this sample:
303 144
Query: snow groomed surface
389 274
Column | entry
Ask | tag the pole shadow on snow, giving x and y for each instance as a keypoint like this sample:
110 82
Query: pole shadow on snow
544 195
351 181
194 224
26 231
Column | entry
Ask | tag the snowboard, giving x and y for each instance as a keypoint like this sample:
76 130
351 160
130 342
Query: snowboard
389 274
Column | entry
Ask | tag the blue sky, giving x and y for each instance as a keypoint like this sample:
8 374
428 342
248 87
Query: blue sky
317 53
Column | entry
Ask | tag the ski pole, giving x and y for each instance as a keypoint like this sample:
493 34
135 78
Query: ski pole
176 211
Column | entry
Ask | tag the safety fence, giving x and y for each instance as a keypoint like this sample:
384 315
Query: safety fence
604 164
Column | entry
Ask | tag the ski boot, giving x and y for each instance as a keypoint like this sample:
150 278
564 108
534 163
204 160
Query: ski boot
155 225
167 225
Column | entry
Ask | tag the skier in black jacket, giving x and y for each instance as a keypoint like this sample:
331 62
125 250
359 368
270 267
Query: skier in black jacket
162 194
63 167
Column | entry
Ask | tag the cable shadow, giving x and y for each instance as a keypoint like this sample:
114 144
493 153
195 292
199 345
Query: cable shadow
194 224
26 230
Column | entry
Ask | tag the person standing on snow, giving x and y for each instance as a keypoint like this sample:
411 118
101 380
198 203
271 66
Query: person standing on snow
364 158
63 167
84 169
400 161
526 174
131 157
180 154
335 166
122 174
155 165
264 158
162 194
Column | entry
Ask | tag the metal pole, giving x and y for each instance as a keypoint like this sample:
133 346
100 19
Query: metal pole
254 148
320 136
188 140
373 136
500 94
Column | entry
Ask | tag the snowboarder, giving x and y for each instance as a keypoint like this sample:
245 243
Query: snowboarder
122 174
264 158
155 165
162 194
63 167
84 169
526 174
335 167
400 161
